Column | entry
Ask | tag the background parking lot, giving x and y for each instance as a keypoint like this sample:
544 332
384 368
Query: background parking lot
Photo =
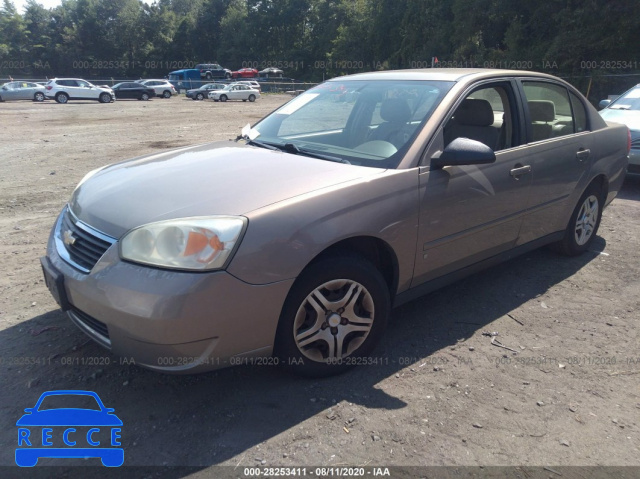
437 391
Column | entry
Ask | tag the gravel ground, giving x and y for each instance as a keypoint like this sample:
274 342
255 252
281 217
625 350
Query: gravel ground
441 393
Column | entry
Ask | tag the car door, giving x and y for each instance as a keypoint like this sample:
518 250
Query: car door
472 212
22 91
28 90
11 91
84 90
559 144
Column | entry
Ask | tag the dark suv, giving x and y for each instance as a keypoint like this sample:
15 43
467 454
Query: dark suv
213 70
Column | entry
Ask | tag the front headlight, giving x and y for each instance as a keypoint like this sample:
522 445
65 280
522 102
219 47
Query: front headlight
200 244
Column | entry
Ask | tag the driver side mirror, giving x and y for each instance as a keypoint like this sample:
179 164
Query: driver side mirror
463 151
603 104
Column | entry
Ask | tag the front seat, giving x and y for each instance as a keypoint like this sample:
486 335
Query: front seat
396 115
473 120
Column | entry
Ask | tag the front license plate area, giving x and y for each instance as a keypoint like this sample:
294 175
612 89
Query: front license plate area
55 283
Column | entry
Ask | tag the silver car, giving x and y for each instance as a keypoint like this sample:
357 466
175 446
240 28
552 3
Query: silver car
626 110
22 90
163 88
291 245
235 91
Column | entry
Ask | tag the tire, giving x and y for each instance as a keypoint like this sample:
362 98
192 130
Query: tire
166 94
344 303
199 96
223 98
228 76
105 98
584 223
62 98
144 96
208 76
252 98
39 96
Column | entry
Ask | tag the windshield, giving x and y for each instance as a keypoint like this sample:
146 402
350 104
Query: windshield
628 101
370 123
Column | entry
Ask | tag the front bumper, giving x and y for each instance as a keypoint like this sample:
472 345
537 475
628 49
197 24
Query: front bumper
169 321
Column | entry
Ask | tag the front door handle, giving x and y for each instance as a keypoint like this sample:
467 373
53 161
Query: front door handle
518 171
583 154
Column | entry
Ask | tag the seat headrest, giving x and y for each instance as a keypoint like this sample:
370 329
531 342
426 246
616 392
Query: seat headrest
542 110
395 110
474 112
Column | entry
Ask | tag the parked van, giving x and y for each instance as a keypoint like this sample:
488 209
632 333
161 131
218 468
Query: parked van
185 79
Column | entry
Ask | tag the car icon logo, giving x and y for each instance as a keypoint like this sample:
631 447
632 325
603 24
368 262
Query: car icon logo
68 238
89 430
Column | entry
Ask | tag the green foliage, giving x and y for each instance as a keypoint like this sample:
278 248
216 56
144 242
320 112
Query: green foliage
314 39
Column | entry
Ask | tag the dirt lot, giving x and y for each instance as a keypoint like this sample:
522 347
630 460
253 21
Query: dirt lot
441 393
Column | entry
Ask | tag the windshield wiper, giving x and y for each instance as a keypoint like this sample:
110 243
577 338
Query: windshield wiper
261 144
291 148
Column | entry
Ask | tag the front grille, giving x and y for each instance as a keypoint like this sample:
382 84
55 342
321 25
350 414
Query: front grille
95 329
83 244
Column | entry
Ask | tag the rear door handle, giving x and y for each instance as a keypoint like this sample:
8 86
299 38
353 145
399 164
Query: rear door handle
519 171
583 154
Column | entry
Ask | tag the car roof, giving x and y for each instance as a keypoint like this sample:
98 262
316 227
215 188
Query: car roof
440 74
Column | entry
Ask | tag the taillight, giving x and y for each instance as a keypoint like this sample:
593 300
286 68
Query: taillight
48 87
628 141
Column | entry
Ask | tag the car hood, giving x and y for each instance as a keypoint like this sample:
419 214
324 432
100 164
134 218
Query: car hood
222 178
631 118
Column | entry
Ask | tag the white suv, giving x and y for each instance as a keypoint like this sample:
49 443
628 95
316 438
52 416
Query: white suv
65 89
163 88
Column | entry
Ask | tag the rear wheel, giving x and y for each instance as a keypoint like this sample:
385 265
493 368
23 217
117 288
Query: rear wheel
105 98
166 94
252 98
584 222
39 96
144 96
223 97
62 98
335 313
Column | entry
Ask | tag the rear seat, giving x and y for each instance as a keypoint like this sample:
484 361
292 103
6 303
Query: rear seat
542 112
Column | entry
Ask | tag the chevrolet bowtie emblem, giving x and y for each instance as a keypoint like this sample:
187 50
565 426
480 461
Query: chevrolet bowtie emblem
68 238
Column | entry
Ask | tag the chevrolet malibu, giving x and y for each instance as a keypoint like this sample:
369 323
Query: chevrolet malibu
292 244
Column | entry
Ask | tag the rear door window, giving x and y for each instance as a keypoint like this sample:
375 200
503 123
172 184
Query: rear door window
550 112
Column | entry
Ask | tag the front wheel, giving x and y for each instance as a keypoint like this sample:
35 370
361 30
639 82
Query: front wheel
584 223
223 97
199 96
105 98
39 96
334 316
252 98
